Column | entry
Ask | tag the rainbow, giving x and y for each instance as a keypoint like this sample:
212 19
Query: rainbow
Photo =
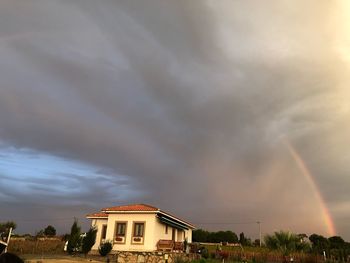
327 218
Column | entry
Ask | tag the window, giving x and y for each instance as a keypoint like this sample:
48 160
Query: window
139 229
166 229
120 232
121 227
138 233
104 232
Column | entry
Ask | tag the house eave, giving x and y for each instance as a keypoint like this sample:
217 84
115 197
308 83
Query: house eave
177 219
97 217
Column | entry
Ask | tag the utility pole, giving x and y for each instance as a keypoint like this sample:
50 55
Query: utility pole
259 223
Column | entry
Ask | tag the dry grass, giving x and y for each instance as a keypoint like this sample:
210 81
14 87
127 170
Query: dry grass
61 259
47 251
37 247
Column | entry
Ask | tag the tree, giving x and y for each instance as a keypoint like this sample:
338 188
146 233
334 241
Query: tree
200 235
336 242
222 236
40 233
242 239
105 248
319 243
5 229
283 241
49 231
74 240
89 240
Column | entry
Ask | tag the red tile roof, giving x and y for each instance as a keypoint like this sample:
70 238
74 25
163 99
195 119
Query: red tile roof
135 207
97 215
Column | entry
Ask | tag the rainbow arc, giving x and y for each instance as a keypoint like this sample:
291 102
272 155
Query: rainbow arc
327 218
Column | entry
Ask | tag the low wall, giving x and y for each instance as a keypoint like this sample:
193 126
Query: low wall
149 257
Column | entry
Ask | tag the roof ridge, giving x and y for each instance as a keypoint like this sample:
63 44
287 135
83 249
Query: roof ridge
132 207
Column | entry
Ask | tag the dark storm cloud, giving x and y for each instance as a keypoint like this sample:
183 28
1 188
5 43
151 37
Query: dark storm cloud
189 100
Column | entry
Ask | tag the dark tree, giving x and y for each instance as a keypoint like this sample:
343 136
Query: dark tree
256 242
336 242
242 239
319 243
200 235
105 248
215 237
74 240
49 231
5 229
89 240
222 236
40 233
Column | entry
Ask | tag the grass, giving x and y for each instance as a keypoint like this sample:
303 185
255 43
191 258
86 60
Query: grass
60 259
254 255
37 247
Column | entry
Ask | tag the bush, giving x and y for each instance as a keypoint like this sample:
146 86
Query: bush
74 241
105 248
50 231
205 253
89 240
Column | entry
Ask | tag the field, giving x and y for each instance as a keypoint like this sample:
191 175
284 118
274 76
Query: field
36 247
51 251
60 259
256 254
46 251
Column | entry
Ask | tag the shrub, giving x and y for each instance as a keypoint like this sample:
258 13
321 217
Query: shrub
105 248
205 253
50 231
74 241
89 240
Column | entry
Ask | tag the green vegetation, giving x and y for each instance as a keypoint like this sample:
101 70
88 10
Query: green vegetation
89 240
49 231
285 242
201 235
244 241
5 228
280 246
105 248
335 248
74 241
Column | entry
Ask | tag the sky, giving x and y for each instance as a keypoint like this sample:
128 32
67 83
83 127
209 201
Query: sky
224 113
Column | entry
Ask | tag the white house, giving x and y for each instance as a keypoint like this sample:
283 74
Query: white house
140 227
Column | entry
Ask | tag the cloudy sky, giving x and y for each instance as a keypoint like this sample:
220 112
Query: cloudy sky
214 110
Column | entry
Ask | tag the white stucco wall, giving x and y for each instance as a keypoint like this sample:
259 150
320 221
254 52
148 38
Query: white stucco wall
98 223
189 235
154 230
149 242
159 231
